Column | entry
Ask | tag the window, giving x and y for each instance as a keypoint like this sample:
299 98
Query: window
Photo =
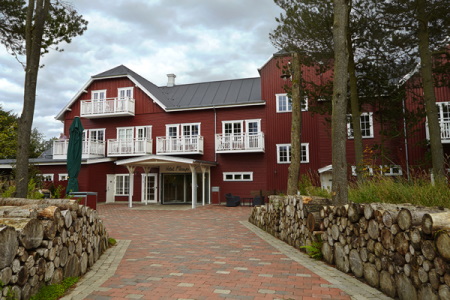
284 103
284 153
98 95
232 127
367 170
394 170
122 184
95 135
186 129
237 176
125 93
46 177
63 176
366 122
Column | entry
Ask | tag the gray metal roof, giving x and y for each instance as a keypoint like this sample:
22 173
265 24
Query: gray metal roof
197 95
216 93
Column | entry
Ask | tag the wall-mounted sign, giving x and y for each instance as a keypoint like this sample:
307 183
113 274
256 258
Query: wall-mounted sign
215 189
174 169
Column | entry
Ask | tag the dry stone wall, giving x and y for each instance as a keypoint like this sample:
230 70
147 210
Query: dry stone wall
403 250
44 241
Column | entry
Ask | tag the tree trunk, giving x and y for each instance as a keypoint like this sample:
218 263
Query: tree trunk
443 244
426 71
296 126
339 103
435 221
34 29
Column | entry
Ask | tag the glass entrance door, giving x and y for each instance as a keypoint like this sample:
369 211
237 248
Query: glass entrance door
177 188
149 188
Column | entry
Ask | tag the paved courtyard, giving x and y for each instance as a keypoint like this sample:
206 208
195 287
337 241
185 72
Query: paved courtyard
212 252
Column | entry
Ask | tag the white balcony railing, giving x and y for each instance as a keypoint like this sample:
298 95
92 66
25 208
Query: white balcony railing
107 107
445 131
179 145
91 149
240 142
119 147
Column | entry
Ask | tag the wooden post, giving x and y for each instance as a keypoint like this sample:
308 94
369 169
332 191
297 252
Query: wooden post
130 194
194 185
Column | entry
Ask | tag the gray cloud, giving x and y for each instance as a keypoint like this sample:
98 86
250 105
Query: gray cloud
198 40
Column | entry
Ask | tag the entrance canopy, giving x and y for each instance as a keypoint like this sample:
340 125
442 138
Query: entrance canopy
171 164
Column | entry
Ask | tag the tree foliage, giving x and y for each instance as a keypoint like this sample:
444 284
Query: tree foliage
32 31
62 24
8 136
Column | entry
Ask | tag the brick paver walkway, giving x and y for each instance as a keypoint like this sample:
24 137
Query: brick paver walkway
210 252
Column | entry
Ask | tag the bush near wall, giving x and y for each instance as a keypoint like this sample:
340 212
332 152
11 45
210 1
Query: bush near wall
403 250
44 241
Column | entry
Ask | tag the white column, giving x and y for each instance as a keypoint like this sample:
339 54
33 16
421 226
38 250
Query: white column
194 186
144 192
130 194
204 169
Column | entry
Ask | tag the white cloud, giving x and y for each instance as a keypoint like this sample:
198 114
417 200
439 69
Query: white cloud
198 40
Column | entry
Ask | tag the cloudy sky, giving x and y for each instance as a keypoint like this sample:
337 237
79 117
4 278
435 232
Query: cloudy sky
198 40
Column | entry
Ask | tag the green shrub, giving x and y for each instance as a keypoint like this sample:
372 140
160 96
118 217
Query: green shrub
314 250
55 291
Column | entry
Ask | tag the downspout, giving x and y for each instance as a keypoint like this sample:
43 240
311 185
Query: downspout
215 132
406 139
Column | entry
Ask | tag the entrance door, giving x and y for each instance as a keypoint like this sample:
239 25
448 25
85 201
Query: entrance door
149 188
110 187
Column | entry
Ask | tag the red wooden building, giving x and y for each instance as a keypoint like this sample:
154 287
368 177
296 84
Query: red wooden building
194 143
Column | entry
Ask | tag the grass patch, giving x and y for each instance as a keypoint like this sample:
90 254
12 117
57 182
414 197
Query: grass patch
55 291
418 191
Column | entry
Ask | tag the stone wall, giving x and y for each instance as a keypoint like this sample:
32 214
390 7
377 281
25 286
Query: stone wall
402 250
44 241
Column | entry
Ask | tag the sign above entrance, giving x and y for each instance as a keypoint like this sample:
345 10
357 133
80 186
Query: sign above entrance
174 169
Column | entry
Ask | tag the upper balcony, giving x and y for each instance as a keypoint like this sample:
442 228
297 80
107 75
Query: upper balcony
239 143
129 147
179 145
109 107
91 149
445 131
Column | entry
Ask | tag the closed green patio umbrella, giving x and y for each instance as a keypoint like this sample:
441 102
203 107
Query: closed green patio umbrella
74 154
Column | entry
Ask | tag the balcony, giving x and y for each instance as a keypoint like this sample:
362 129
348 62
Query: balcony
91 149
239 143
445 131
179 145
129 147
110 107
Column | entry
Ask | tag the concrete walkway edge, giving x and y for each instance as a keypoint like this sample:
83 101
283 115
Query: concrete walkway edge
352 286
103 269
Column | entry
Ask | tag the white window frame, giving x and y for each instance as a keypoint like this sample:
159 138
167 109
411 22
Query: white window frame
237 176
350 125
98 92
63 176
147 130
288 106
247 126
304 153
125 90
366 168
179 129
240 122
390 171
126 177
88 133
47 176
